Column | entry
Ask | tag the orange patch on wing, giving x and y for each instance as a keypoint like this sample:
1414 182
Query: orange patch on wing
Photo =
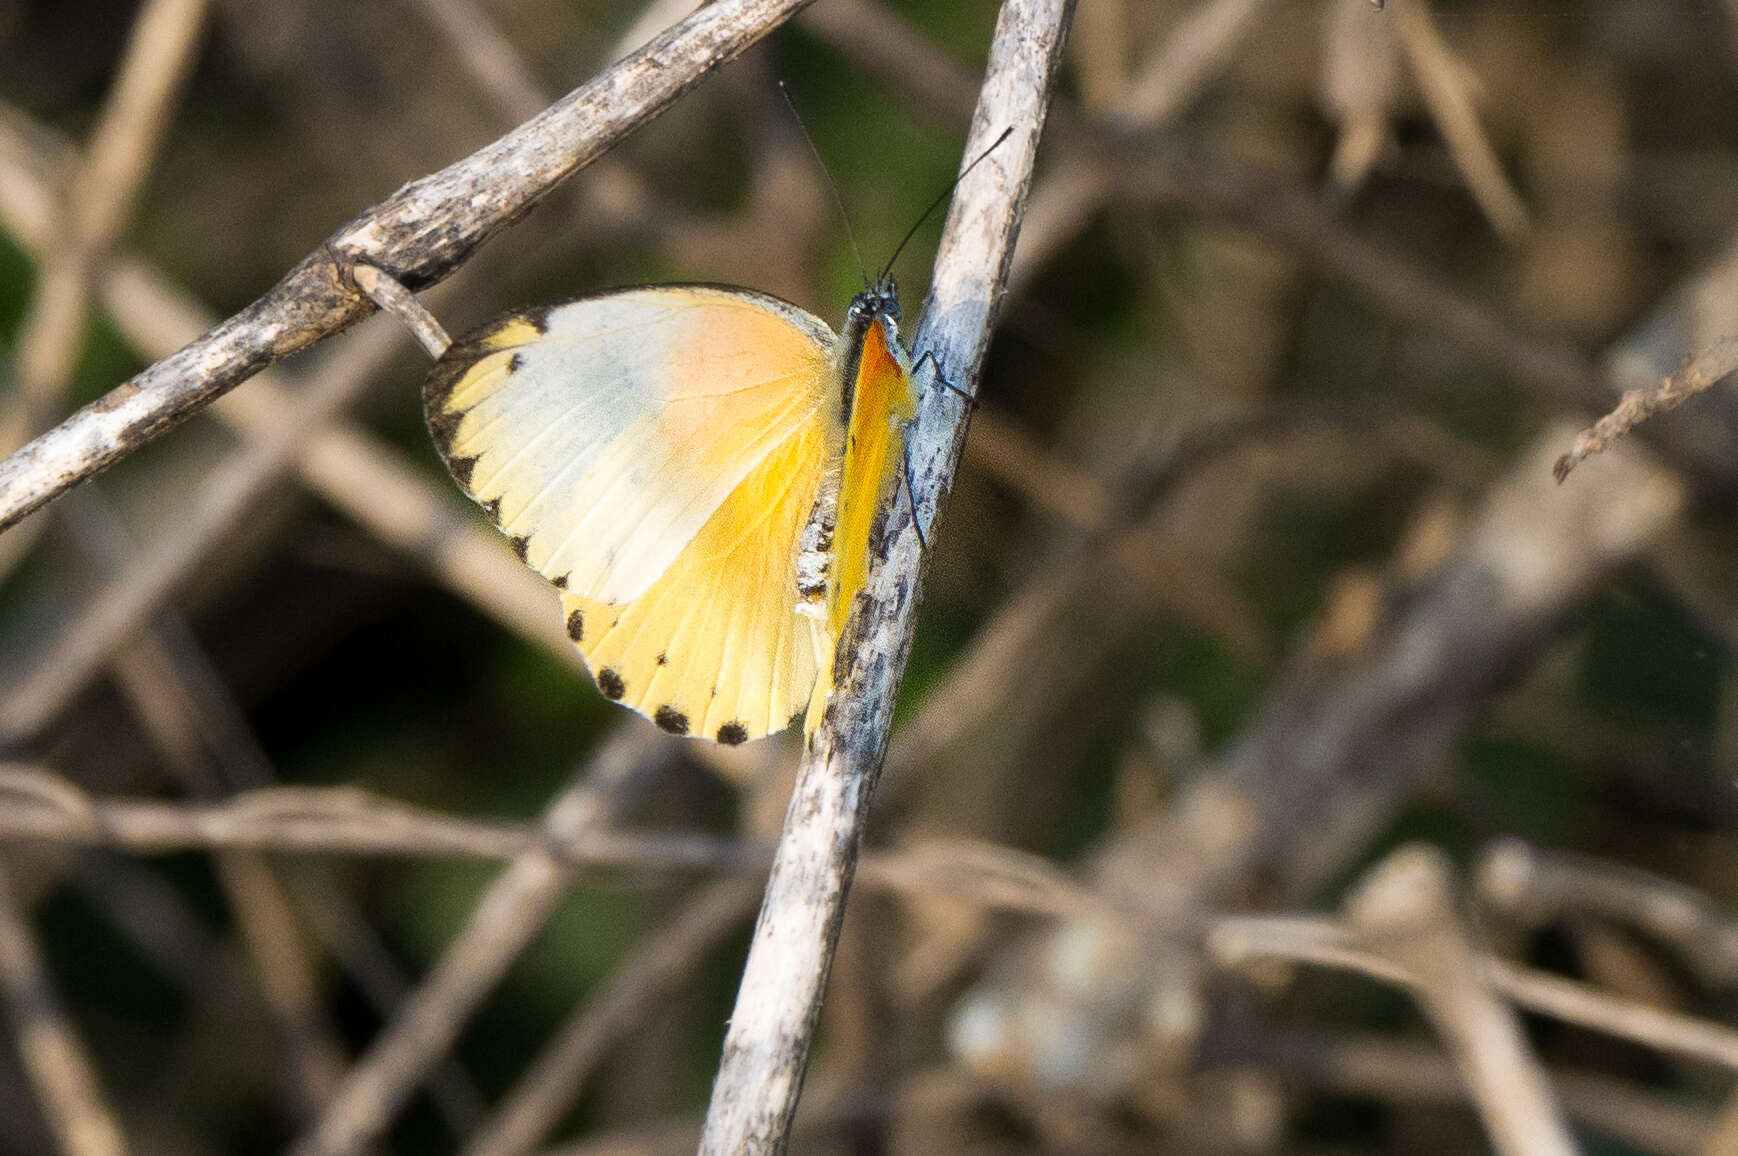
883 402
719 365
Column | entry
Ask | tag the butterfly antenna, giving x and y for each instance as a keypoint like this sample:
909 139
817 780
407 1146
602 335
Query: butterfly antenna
937 203
838 201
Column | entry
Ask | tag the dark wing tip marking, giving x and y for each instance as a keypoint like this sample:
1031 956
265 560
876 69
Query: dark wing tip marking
732 734
670 719
610 682
443 426
450 369
521 546
559 582
576 628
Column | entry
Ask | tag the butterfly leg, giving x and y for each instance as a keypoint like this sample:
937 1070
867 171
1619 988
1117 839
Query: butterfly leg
911 492
941 378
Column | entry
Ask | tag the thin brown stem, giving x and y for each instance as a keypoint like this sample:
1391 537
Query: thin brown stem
547 1090
514 909
54 1058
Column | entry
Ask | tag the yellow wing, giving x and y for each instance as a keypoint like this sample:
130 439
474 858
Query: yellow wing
655 453
880 400
601 434
716 647
883 403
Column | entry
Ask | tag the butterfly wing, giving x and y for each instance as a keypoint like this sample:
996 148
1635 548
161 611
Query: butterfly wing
601 434
655 453
716 647
884 401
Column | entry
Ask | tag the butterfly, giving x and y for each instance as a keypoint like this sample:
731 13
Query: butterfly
697 469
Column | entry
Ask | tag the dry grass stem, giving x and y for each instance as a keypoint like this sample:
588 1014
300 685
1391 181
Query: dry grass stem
60 1071
384 290
1447 91
655 967
127 600
1397 1073
486 54
45 806
1700 372
99 198
1539 886
1235 940
1198 48
1360 87
514 909
1405 910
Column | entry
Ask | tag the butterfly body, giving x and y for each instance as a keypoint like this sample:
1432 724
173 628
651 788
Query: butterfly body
697 469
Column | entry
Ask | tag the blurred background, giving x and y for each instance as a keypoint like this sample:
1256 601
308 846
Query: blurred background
1255 595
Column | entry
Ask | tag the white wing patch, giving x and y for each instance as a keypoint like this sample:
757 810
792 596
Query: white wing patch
603 434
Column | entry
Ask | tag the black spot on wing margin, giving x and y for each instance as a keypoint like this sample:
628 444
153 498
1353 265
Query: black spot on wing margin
732 734
670 719
450 369
610 682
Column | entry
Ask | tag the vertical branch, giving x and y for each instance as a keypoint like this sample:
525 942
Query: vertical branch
755 1094
59 1070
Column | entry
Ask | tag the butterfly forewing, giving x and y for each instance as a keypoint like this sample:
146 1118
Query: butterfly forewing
603 433
655 453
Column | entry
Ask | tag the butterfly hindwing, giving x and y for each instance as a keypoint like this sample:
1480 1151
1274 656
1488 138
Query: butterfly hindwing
716 648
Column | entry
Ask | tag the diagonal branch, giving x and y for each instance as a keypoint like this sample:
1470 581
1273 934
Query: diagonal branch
755 1094
420 234
514 909
59 1069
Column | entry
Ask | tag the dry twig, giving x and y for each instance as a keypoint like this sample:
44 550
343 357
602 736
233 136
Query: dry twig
420 234
514 909
1405 910
1700 372
548 1089
60 1071
1539 886
1237 939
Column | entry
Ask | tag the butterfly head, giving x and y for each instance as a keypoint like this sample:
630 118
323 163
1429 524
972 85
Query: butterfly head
879 300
